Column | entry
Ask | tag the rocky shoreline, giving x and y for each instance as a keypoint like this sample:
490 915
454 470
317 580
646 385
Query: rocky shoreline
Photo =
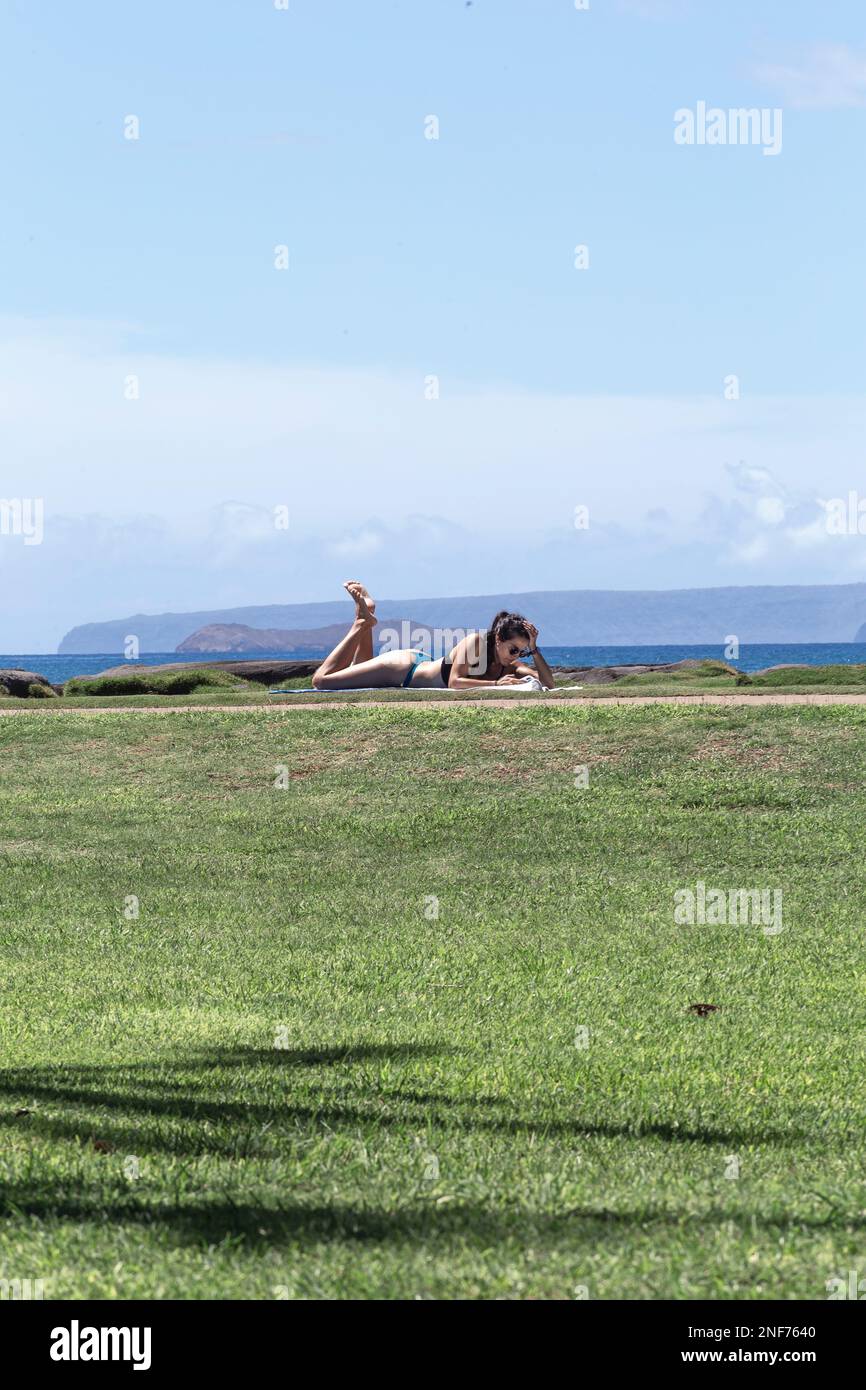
31 685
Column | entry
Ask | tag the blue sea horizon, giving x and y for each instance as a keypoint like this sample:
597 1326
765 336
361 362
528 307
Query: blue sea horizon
752 657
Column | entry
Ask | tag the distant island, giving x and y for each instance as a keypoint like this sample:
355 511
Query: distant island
574 617
239 637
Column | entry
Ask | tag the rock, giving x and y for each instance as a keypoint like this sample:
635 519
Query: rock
787 666
607 675
15 682
602 675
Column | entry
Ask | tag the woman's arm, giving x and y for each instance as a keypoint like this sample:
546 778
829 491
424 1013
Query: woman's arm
466 682
542 670
466 658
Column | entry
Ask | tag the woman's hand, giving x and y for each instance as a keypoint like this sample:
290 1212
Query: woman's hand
509 680
533 636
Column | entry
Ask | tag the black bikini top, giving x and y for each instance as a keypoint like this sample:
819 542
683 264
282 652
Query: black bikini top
491 661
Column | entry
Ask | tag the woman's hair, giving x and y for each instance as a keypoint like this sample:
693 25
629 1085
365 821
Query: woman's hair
503 626
507 624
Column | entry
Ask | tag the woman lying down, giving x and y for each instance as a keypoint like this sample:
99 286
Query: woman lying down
481 659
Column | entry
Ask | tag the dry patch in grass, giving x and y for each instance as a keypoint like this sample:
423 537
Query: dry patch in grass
33 849
539 756
729 747
20 847
483 772
341 753
139 750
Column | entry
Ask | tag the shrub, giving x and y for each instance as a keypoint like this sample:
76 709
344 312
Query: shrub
812 675
153 682
692 671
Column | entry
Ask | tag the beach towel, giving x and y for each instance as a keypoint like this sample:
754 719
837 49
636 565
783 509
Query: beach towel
521 686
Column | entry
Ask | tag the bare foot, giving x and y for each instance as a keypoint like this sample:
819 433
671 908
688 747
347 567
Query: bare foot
365 606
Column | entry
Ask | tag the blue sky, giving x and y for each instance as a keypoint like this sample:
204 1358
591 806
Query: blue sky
411 257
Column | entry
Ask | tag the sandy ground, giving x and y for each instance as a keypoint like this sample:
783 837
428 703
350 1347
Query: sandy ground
504 702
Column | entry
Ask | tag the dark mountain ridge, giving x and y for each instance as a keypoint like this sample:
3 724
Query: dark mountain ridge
589 617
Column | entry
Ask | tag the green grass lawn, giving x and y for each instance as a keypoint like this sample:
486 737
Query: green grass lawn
417 1024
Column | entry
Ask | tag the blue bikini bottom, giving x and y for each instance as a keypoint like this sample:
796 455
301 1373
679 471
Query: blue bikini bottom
419 657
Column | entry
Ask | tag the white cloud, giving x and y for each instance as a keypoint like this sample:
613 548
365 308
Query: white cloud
748 478
358 547
770 510
813 534
751 551
824 76
167 503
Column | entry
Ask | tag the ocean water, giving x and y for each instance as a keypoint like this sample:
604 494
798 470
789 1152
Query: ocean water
752 657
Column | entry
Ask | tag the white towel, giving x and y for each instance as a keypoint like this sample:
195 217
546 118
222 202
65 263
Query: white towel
533 683
525 683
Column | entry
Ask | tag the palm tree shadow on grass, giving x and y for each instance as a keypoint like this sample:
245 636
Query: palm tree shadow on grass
200 1090
285 1223
194 1105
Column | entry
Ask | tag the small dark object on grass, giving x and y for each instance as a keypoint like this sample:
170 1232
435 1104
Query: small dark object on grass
19 1113
703 1009
102 1146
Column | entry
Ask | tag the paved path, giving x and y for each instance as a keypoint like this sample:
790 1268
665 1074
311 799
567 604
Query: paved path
499 702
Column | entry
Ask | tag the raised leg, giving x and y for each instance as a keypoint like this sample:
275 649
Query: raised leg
344 653
363 600
357 645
